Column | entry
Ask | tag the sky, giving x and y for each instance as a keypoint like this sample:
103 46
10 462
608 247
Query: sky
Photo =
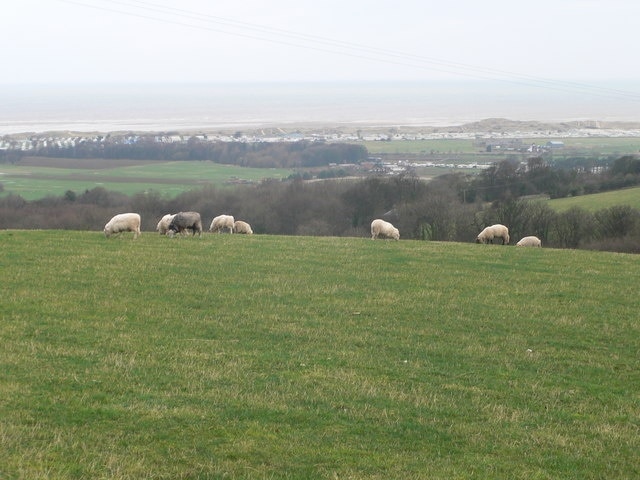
166 41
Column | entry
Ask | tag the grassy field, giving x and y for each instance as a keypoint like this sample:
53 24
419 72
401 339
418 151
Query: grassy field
305 357
463 147
420 146
587 145
38 177
598 201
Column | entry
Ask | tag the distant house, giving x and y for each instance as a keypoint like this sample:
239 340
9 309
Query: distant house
492 144
555 144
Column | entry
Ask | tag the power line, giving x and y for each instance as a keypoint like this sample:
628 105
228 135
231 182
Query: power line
375 50
240 34
186 18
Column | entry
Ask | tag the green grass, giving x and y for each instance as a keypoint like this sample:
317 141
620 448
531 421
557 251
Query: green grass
462 147
598 201
172 178
420 146
299 357
168 178
592 145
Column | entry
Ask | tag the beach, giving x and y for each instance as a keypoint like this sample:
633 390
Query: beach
309 106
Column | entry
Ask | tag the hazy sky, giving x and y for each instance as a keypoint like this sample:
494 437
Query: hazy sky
53 41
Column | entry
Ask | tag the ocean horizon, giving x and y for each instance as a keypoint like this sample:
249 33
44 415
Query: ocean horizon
207 107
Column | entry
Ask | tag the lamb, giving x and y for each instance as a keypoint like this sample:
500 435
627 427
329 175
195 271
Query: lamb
185 221
382 229
531 241
123 222
242 227
221 223
163 224
494 231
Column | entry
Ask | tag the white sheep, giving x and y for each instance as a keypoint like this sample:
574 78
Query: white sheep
221 223
123 222
242 227
163 224
494 231
382 229
531 241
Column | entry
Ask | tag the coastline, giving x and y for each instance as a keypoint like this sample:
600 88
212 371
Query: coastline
460 108
486 128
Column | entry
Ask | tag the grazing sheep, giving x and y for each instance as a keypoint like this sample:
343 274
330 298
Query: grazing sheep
494 231
529 242
163 224
242 227
123 222
185 221
382 229
221 223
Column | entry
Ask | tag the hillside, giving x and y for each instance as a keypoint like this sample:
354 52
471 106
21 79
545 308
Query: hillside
598 201
305 357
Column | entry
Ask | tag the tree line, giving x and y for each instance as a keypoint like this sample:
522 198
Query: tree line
452 207
513 179
298 154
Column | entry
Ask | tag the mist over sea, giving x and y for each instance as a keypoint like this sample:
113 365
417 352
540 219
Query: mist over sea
192 107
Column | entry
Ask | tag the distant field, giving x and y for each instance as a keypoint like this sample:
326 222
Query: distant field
573 146
604 145
248 357
598 201
450 152
39 177
420 146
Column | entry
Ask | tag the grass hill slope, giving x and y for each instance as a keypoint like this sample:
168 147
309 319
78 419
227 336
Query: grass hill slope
315 357
598 201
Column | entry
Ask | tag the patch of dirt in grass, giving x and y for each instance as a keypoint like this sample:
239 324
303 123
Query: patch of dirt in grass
104 179
83 163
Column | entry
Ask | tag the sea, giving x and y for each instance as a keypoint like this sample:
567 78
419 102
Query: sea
160 107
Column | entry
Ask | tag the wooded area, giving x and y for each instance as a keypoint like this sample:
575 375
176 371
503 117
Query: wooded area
298 154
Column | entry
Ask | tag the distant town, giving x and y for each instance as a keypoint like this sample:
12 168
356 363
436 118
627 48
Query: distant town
495 134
